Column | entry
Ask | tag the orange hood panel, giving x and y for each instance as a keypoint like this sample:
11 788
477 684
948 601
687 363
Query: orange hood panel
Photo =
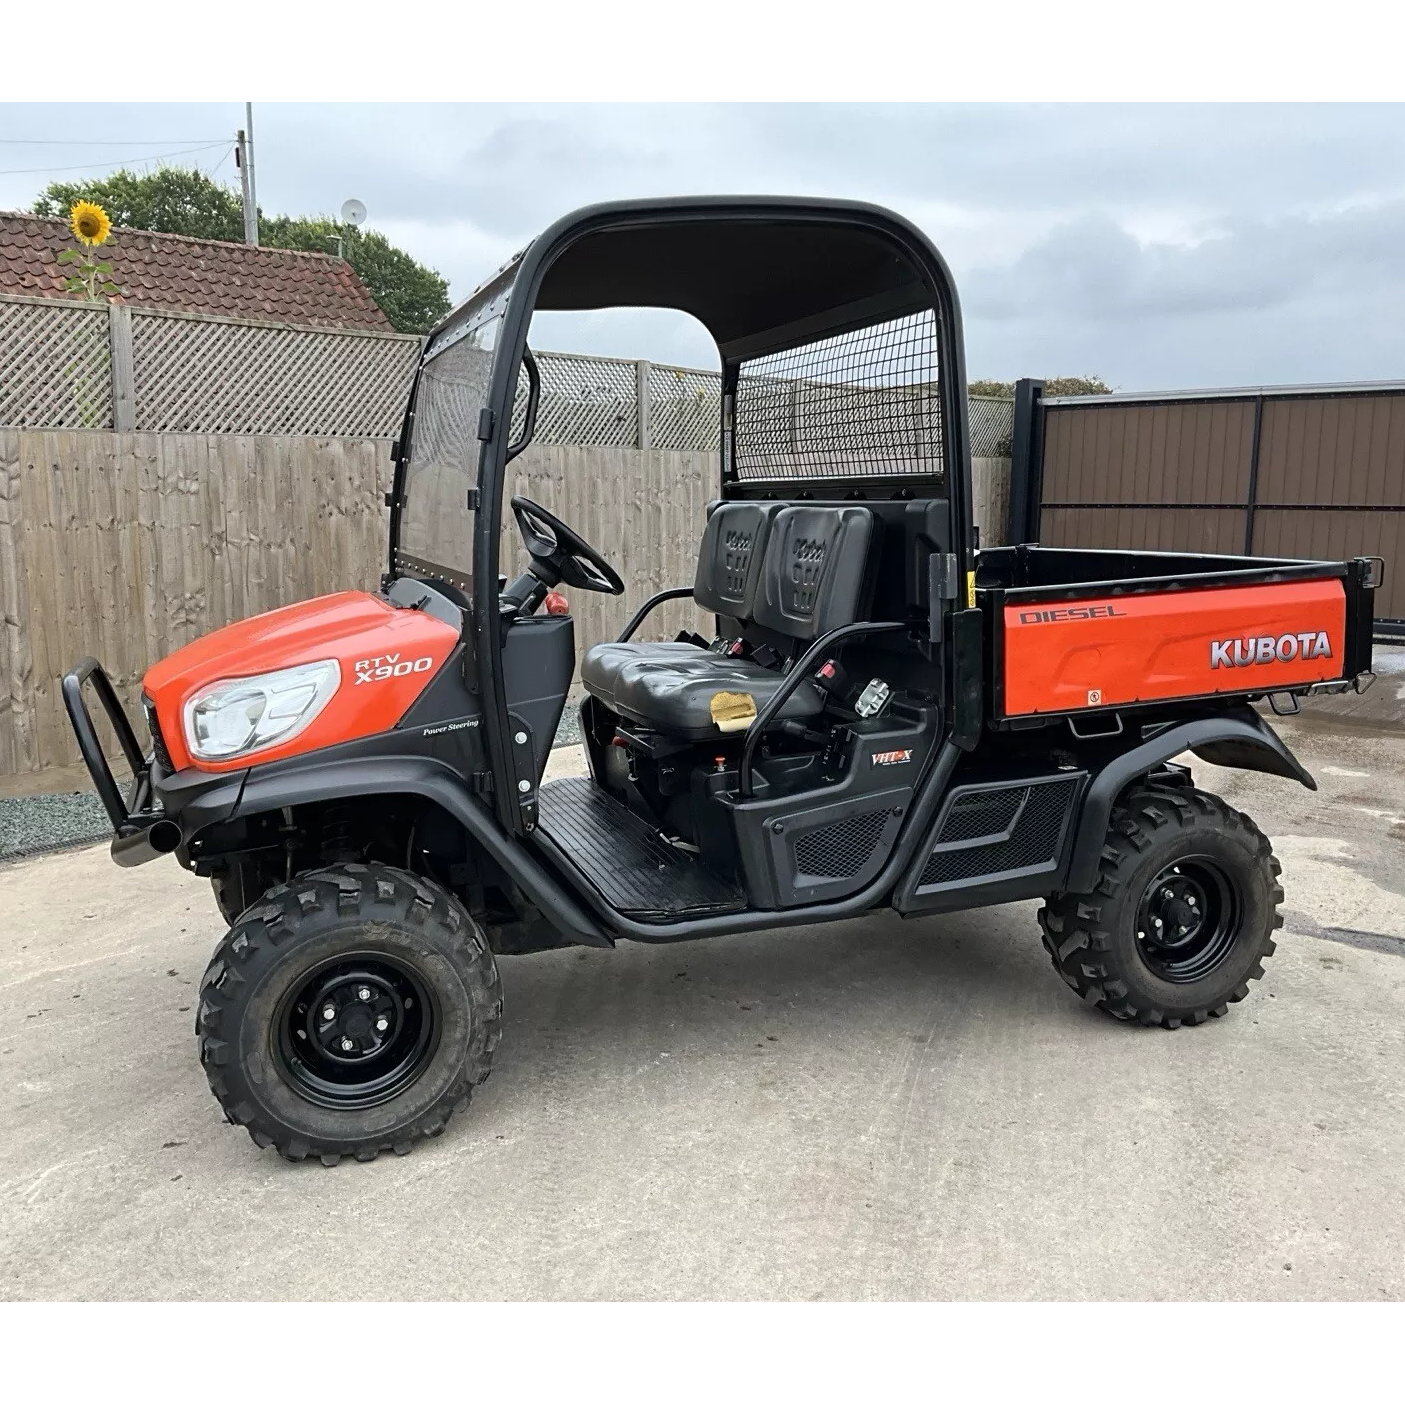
387 658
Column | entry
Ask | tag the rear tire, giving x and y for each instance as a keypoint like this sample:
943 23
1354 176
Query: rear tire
349 1012
1182 916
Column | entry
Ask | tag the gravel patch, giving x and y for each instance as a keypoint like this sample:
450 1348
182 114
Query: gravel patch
36 824
39 824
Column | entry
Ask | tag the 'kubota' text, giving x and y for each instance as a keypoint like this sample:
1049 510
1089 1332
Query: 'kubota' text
1264 648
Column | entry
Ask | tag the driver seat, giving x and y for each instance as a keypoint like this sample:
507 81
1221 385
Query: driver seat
775 574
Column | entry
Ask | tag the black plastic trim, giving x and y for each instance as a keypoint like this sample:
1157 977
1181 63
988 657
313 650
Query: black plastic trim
800 673
317 780
1241 739
675 592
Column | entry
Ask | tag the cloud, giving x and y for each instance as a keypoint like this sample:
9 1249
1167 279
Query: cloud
1303 298
1154 245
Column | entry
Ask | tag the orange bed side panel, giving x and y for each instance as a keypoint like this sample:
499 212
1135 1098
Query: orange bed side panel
1122 649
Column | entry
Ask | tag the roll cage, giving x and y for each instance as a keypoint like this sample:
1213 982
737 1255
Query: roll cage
764 276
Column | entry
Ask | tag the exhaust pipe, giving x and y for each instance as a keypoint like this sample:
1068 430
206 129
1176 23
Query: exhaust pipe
143 845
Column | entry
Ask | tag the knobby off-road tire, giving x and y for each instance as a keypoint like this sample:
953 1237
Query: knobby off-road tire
370 944
1165 846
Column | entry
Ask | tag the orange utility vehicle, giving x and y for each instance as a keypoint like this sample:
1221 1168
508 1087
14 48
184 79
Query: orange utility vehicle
885 717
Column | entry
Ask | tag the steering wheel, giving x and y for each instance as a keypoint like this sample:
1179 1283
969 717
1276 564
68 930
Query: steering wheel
561 555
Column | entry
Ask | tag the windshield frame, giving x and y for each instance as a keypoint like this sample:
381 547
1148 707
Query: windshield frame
489 302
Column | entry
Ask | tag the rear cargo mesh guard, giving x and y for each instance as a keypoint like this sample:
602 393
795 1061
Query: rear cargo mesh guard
1034 841
855 405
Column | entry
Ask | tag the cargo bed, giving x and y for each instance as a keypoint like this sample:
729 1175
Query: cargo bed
1074 631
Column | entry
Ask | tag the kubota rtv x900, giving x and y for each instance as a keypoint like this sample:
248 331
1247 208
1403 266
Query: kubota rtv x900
884 717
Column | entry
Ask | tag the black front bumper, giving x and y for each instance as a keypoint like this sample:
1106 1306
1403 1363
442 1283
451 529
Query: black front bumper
162 809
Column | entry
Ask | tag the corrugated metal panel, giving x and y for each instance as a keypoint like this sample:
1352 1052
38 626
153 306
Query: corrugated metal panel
1321 534
1144 529
1180 453
1349 450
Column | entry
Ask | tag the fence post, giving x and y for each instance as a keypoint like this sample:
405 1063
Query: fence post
641 402
1026 463
124 381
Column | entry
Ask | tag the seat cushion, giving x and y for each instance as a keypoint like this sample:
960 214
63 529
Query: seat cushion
600 668
675 695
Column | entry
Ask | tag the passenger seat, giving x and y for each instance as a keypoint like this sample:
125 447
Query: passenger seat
787 573
729 562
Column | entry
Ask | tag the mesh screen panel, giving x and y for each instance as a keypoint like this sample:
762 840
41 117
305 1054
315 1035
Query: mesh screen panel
1034 841
986 812
860 404
841 849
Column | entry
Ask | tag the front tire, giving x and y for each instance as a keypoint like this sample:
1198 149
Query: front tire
1182 916
349 1012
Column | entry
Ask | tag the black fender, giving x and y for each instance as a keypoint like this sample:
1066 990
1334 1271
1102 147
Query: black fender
309 781
1241 739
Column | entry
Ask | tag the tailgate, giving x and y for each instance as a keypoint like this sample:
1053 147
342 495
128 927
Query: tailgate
1120 648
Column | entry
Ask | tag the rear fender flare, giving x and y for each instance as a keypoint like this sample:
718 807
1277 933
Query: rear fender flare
1240 739
349 778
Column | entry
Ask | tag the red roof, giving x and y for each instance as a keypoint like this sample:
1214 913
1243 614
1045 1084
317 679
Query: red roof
178 274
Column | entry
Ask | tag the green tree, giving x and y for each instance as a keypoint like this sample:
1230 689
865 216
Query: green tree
174 200
171 199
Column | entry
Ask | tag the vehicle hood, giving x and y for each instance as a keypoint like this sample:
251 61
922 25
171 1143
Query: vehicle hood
387 656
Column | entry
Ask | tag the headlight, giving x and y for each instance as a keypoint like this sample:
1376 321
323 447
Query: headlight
246 714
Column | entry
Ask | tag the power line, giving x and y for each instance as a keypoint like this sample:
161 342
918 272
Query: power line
93 165
83 141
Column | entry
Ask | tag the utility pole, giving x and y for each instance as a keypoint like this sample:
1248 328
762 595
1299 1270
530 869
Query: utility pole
244 159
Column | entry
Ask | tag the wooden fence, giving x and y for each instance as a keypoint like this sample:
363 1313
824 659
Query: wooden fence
126 546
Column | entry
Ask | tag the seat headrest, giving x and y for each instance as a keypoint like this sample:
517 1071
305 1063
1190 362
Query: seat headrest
813 575
729 560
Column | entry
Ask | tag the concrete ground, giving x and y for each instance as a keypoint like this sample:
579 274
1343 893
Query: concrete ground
876 1109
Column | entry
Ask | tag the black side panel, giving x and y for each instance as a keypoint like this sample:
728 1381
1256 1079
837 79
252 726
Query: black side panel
815 570
538 657
729 560
993 842
828 842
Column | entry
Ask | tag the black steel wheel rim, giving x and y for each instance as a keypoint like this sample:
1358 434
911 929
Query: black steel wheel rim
1188 920
357 1030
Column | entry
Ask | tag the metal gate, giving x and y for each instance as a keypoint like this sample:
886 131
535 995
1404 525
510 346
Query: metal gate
1313 472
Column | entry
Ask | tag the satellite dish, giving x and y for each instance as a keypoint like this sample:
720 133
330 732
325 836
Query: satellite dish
353 212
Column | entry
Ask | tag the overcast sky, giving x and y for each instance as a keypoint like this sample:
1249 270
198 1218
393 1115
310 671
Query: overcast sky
1158 247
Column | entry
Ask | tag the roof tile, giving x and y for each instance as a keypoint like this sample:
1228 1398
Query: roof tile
177 274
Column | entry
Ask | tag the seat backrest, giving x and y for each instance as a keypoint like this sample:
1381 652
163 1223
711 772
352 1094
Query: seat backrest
729 559
815 570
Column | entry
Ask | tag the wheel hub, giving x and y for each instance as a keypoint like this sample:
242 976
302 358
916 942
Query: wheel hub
1188 920
357 1031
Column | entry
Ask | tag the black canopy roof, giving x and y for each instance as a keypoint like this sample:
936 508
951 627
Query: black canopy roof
760 273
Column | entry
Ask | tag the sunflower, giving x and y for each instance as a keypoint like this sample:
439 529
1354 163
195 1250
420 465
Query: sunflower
89 223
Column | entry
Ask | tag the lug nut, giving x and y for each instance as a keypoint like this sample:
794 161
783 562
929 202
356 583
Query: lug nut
521 739
524 786
363 993
329 1012
347 1044
1191 901
382 1024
